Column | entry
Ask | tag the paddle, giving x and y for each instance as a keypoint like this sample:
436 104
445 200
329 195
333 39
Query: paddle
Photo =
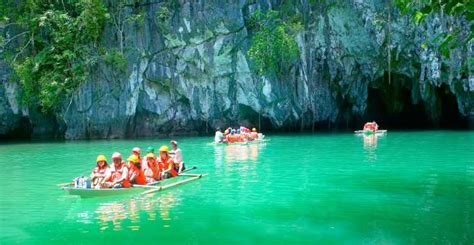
65 184
189 169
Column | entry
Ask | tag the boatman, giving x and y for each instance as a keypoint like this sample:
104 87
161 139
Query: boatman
219 137
177 156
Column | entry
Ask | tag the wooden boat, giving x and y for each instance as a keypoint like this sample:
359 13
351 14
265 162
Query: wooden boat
257 141
370 132
136 189
88 193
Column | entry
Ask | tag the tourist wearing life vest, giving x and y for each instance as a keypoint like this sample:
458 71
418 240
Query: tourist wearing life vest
177 157
371 126
167 164
119 176
135 173
152 171
232 137
137 152
254 134
100 173
150 149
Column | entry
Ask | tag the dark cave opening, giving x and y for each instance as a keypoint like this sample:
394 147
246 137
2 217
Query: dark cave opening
392 107
22 131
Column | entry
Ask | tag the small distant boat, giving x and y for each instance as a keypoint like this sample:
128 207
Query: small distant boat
250 142
371 132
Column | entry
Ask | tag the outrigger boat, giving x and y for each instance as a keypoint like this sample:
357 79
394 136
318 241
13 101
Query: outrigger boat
371 132
143 189
257 141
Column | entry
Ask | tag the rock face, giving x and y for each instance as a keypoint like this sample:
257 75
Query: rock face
190 72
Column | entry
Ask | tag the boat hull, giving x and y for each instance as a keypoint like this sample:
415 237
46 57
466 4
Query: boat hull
369 132
89 193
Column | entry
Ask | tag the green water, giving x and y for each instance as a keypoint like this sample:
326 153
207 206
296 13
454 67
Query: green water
405 187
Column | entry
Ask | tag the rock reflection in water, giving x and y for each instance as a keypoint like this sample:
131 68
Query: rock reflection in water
115 214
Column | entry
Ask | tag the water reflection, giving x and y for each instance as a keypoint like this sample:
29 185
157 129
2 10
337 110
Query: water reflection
370 146
128 214
237 152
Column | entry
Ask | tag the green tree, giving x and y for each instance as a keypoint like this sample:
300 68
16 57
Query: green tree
49 44
420 9
273 46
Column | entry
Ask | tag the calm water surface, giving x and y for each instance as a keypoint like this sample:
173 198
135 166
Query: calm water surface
405 187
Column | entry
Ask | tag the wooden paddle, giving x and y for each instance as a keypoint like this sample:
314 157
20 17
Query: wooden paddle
65 184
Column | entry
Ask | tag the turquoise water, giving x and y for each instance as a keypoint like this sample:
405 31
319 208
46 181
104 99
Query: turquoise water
405 187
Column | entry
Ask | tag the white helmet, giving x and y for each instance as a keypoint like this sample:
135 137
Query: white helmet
116 155
137 150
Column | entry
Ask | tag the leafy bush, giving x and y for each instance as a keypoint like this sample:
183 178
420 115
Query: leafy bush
273 47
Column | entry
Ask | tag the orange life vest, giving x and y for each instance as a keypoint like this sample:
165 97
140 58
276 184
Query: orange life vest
166 163
140 179
254 135
155 170
117 174
98 170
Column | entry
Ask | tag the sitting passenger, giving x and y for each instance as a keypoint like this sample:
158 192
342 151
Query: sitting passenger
166 163
254 134
151 170
119 177
135 172
100 173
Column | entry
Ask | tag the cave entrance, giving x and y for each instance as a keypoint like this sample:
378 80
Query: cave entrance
22 131
391 106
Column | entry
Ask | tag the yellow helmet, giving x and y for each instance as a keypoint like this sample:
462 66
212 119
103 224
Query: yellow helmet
133 158
150 155
101 158
164 148
254 129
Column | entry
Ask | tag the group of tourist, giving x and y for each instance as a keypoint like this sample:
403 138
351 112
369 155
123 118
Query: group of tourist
137 170
371 126
231 135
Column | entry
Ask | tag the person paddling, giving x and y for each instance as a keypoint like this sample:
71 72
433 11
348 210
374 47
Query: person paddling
119 177
166 163
178 156
100 173
152 171
219 136
135 173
